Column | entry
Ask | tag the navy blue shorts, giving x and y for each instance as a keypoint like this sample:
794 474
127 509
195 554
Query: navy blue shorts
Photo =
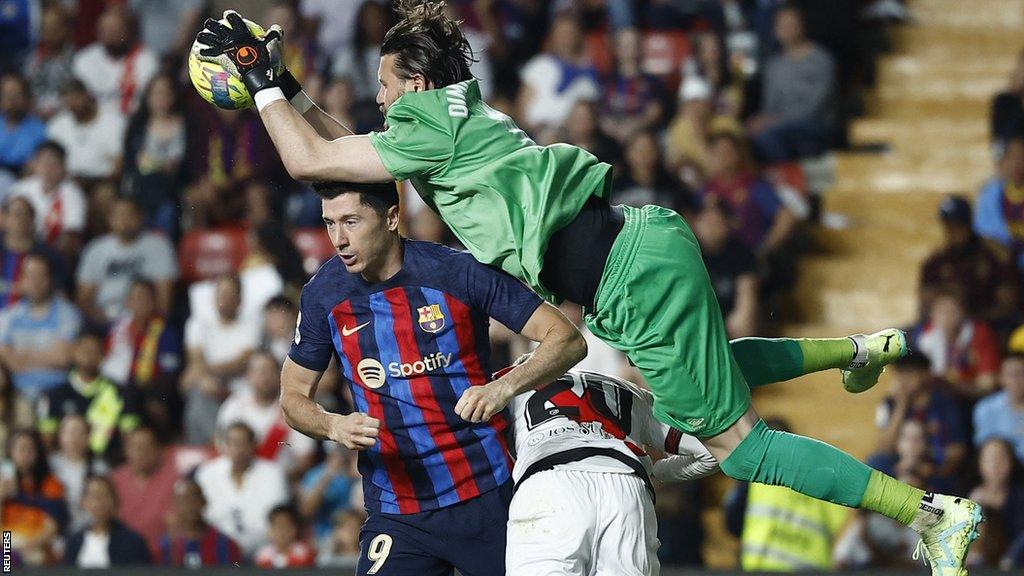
469 536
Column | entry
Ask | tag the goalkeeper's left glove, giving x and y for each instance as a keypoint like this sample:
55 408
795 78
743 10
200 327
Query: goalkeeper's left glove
236 47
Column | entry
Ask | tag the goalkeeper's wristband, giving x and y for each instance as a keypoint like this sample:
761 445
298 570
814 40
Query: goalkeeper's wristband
293 92
263 98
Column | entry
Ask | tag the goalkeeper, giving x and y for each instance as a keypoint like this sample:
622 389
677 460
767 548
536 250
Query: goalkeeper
539 213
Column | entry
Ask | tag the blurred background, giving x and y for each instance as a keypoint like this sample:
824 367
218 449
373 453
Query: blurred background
847 165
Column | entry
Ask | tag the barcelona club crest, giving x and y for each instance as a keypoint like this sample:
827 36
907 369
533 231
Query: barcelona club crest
431 318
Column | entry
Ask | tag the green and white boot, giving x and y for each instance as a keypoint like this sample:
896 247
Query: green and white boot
873 353
947 525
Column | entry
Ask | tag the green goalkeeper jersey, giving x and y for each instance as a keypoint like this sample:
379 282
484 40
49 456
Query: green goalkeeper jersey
501 194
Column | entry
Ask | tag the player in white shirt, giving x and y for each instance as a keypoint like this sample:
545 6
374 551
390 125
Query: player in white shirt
583 501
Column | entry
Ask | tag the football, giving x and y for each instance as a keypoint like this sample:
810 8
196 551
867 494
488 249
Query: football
214 83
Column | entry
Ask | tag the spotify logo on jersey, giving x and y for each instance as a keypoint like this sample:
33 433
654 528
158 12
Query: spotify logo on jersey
371 372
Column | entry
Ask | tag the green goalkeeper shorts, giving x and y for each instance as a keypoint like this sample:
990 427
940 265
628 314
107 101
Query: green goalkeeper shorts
655 303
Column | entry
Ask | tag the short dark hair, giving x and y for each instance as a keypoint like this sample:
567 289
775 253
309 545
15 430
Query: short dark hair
22 81
239 425
288 510
55 147
427 42
1012 356
380 197
280 302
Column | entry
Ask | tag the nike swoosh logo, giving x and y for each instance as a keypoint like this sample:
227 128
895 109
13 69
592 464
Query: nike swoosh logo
346 332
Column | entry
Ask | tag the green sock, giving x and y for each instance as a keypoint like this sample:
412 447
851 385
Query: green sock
890 497
808 466
769 360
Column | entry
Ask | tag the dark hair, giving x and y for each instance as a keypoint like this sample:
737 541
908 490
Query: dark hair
914 361
283 254
41 468
91 334
239 425
138 122
1016 467
23 200
280 302
109 483
73 84
288 510
953 292
56 148
380 197
149 285
146 428
429 43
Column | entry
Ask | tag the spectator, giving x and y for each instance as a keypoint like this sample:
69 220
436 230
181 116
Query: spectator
48 66
190 542
273 266
968 262
334 22
797 110
340 103
116 67
325 489
15 412
645 180
168 28
226 151
874 541
1001 415
341 547
686 142
72 463
583 129
218 351
554 80
36 333
93 137
280 318
632 99
763 223
1000 206
300 51
145 485
21 132
19 240
286 548
142 347
710 65
917 397
963 350
360 59
1002 485
732 268
112 262
154 154
58 201
107 541
1007 119
241 489
109 409
258 405
33 506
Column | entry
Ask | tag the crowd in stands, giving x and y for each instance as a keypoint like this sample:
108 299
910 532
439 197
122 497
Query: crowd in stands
153 249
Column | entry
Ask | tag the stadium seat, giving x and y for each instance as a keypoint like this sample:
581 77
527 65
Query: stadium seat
206 254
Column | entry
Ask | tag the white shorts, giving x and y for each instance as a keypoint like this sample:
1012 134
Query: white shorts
569 522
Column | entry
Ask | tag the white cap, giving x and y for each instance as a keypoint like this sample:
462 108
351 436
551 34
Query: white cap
694 88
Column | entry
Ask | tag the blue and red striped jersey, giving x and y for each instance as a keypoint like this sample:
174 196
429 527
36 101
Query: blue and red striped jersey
212 549
409 347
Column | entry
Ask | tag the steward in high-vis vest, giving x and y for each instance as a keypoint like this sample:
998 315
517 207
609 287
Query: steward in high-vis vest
784 530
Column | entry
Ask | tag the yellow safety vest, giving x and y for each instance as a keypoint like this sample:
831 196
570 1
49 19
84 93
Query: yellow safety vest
786 531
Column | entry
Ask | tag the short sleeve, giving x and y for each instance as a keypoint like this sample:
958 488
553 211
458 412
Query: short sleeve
501 296
89 270
160 263
313 346
417 141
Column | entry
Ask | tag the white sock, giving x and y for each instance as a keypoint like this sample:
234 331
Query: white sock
928 512
860 354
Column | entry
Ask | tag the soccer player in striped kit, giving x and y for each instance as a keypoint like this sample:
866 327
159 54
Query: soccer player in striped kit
408 323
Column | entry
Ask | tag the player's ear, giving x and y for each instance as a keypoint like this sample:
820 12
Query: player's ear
393 217
420 83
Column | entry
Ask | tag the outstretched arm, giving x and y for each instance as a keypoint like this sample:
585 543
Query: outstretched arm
308 156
